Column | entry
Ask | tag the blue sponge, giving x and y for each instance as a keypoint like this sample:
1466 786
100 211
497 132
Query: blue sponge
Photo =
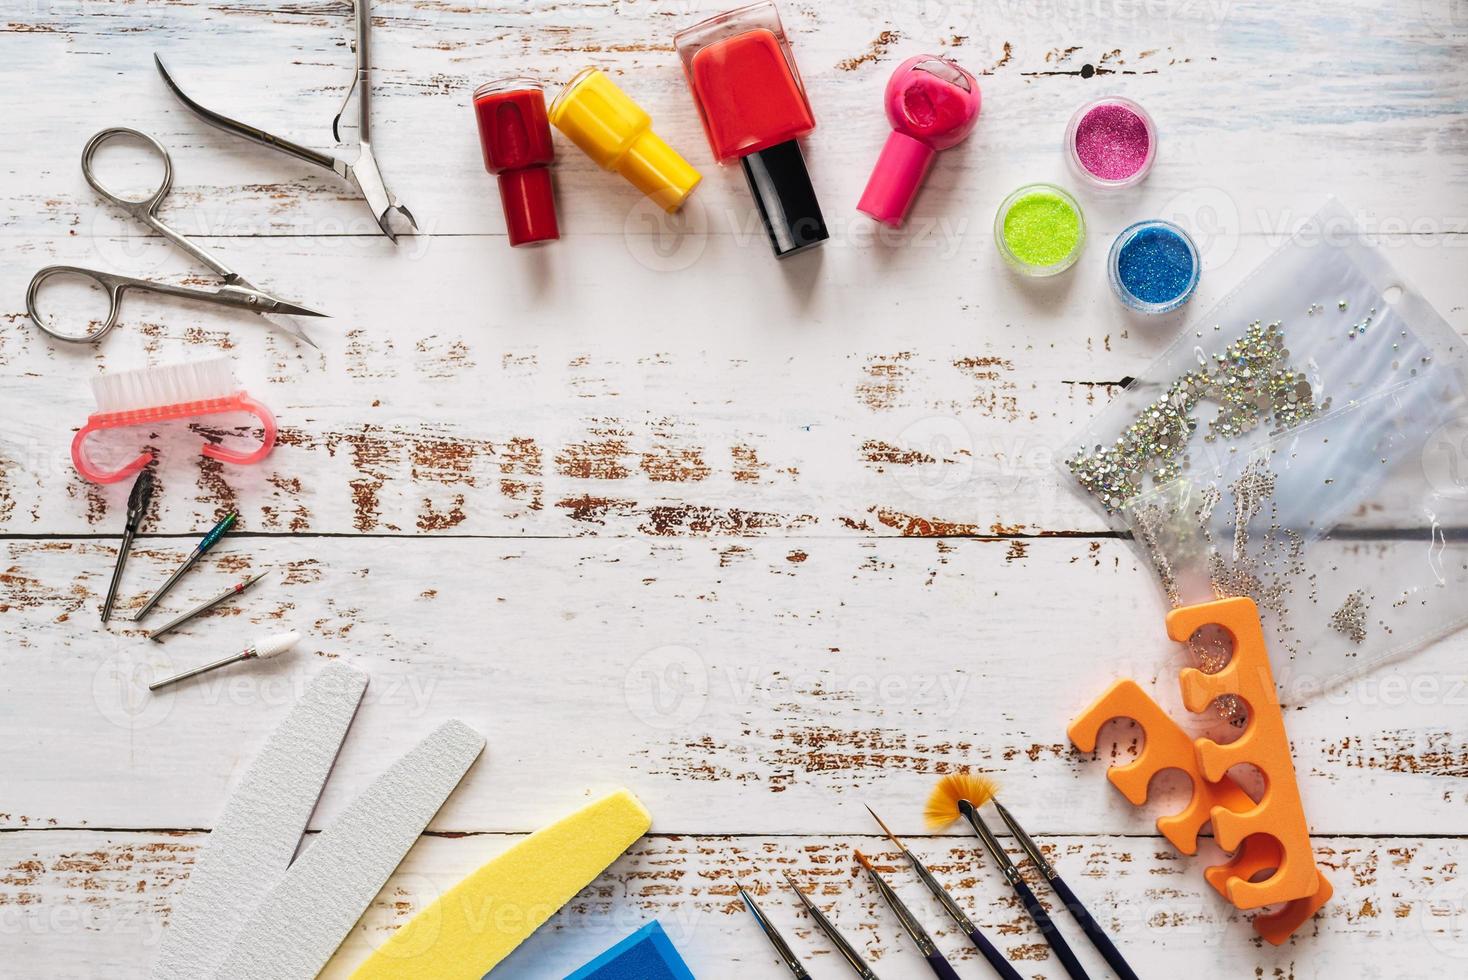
647 954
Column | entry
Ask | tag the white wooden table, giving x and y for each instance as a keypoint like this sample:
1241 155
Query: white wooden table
763 542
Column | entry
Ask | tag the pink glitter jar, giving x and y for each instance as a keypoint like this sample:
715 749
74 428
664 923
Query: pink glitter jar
1111 142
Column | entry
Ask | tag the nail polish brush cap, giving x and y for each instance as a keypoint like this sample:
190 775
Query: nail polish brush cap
515 135
785 197
932 104
617 134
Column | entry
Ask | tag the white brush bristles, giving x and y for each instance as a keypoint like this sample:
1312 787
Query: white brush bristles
169 384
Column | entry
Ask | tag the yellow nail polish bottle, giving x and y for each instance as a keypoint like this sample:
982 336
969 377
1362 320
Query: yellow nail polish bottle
617 133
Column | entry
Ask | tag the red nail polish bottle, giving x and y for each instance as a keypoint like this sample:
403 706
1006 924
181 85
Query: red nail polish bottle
515 134
754 108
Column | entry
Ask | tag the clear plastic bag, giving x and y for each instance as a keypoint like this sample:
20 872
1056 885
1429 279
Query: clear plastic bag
1322 323
1342 530
1299 444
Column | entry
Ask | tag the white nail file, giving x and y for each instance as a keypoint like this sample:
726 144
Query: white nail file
298 926
256 836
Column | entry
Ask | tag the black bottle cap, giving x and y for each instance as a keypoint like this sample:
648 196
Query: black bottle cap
787 202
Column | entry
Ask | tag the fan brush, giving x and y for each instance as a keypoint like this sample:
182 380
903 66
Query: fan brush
961 794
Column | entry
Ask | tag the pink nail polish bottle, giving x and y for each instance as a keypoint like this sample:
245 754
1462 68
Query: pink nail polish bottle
932 104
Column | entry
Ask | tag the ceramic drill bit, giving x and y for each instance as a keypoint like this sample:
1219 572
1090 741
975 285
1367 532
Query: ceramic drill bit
272 646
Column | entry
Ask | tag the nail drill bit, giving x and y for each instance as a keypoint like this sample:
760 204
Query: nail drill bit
137 509
237 589
272 646
209 541
782 948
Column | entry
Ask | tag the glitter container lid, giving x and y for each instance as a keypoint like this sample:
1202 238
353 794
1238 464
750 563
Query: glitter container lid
1111 142
1040 230
1154 267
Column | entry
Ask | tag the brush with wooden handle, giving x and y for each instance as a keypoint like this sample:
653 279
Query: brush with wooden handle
960 795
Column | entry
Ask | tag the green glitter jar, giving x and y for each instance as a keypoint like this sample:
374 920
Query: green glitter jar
1040 230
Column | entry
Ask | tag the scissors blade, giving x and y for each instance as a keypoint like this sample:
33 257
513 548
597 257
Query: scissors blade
243 295
281 307
238 292
292 309
297 331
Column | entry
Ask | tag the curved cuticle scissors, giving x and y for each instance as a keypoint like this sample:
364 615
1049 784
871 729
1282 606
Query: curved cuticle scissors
236 292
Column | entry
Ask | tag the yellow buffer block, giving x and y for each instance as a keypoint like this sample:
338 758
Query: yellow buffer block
480 921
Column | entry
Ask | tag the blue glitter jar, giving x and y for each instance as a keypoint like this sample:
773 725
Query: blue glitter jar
1154 267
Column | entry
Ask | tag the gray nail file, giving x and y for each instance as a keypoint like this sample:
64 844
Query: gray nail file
256 836
297 927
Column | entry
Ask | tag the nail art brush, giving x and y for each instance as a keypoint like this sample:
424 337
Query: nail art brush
940 966
950 905
237 589
209 541
782 948
1094 932
137 508
961 794
848 952
272 646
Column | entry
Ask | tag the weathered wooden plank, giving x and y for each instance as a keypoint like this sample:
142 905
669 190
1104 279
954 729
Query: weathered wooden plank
758 686
1385 117
73 903
937 402
884 386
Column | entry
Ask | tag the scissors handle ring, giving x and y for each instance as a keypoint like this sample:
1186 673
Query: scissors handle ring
110 284
151 202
